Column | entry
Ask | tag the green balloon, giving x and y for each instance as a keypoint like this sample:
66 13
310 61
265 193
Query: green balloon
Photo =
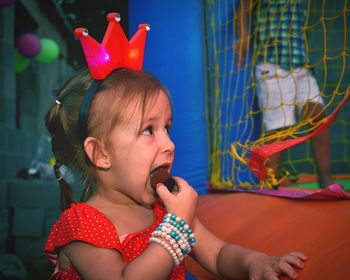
49 51
22 62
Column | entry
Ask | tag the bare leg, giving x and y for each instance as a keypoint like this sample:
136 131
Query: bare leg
320 145
274 162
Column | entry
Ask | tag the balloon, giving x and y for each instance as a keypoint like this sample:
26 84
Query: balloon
49 51
28 45
21 63
6 3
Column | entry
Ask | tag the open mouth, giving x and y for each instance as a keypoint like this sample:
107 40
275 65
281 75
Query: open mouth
161 175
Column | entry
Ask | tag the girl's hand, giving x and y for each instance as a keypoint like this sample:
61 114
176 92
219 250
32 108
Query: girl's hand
264 267
182 203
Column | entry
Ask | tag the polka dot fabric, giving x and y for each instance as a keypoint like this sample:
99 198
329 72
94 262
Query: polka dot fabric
82 222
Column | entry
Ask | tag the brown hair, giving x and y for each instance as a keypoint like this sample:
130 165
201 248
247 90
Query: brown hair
122 89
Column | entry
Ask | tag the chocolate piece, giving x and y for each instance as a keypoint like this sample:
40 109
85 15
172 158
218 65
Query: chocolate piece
161 175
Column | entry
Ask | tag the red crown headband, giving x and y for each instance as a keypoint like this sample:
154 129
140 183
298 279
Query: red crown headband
114 52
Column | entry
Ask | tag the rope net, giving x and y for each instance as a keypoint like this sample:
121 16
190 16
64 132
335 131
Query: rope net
236 123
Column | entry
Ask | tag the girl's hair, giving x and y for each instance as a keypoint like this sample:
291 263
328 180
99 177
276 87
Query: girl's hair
122 90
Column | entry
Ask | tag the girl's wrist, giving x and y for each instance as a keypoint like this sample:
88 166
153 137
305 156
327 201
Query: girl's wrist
176 236
251 257
188 218
182 227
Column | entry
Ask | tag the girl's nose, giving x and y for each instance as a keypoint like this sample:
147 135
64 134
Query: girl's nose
169 146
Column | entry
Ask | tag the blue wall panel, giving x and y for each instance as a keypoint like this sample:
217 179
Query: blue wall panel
174 53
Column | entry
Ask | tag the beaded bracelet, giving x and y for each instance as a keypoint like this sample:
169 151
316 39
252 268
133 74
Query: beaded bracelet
167 247
182 226
180 239
175 246
175 235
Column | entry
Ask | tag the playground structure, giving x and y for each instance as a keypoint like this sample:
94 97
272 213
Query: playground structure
237 138
275 221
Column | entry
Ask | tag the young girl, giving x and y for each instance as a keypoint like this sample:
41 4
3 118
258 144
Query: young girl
113 126
108 235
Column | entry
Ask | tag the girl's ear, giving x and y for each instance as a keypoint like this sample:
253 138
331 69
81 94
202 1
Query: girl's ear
97 152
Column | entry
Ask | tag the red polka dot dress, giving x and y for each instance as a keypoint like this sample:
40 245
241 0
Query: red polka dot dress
82 222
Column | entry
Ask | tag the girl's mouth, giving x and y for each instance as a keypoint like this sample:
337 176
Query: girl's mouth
161 175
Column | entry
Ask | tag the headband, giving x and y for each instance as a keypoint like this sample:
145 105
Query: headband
115 51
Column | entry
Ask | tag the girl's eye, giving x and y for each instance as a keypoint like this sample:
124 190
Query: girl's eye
167 128
148 131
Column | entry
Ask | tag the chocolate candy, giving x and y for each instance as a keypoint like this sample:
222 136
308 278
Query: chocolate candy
161 175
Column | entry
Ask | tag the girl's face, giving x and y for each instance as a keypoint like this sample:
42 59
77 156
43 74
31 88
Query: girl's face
136 154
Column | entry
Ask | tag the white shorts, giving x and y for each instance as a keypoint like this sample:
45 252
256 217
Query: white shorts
279 92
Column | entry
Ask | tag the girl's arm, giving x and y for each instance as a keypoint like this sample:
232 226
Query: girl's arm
98 263
233 261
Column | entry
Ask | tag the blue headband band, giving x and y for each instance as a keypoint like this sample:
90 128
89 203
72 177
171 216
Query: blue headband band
84 109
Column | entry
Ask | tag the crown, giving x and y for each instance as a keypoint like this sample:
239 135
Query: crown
115 51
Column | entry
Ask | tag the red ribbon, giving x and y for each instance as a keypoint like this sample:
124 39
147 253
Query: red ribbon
259 155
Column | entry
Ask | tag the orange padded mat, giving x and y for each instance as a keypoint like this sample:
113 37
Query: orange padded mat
320 229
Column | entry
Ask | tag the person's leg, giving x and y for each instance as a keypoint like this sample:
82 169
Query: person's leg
320 144
313 111
274 162
276 95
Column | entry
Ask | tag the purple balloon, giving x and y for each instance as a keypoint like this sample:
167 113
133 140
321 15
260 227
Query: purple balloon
28 44
6 3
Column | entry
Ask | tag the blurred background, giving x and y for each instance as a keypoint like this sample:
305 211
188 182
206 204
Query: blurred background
190 49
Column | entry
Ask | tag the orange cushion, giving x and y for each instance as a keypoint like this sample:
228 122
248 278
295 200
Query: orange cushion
320 229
